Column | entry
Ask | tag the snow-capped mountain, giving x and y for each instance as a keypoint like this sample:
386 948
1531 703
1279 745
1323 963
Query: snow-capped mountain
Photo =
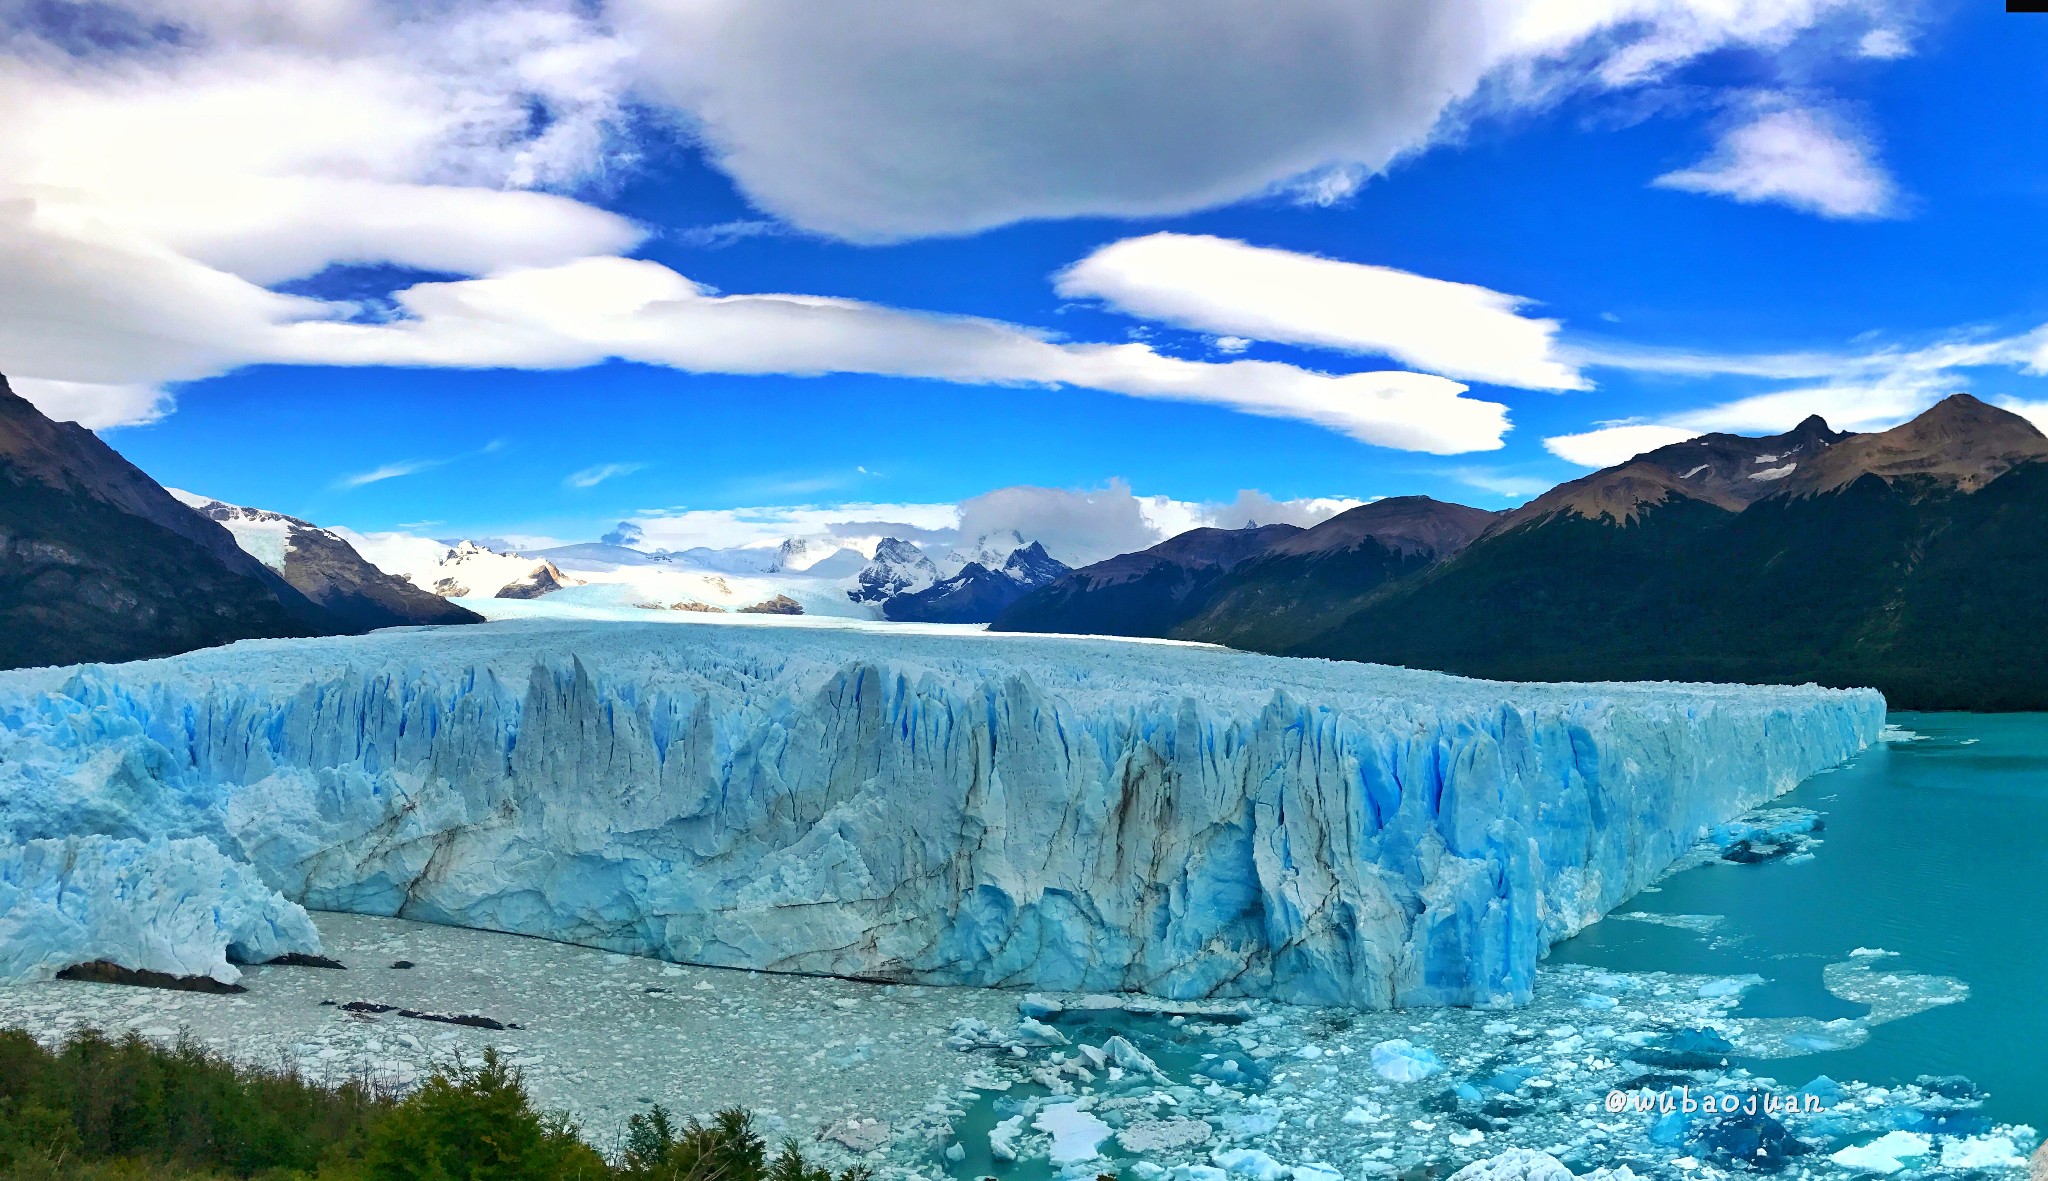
325 568
823 557
990 550
998 569
898 568
465 570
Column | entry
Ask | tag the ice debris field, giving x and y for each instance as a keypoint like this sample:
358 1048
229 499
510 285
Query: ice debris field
1046 812
927 1082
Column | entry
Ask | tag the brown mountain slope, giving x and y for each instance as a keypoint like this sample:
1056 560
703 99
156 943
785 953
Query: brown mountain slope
101 564
1726 471
1959 443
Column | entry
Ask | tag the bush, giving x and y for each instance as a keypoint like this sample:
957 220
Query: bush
727 1149
128 1110
476 1124
99 1099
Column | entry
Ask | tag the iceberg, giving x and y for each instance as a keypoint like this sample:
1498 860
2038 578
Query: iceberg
1074 814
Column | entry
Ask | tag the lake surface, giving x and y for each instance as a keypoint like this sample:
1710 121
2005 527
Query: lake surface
1935 848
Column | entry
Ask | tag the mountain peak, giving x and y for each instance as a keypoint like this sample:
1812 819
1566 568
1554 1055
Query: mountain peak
1960 442
1727 471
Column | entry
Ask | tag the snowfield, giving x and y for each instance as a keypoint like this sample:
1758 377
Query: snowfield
938 808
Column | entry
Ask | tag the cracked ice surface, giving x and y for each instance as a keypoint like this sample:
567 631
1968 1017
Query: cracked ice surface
1061 813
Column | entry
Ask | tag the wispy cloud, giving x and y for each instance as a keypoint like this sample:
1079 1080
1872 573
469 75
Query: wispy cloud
1863 391
725 233
1500 483
407 467
591 477
389 471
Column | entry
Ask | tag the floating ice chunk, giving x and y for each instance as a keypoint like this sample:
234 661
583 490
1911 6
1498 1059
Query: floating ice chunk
1130 1057
1002 1139
1401 1062
1886 1154
1982 1152
1595 1000
1728 986
1076 1134
860 1135
1152 1135
177 907
1038 1005
1871 951
1249 1163
1516 1164
1037 1033
1317 1171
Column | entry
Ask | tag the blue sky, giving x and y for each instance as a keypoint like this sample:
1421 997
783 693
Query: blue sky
1849 222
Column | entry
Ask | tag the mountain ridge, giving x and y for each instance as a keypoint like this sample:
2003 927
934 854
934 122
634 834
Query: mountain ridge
102 564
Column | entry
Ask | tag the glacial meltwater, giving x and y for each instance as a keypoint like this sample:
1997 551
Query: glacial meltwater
1935 849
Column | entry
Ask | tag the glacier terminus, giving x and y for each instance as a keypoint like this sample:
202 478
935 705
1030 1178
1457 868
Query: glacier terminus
949 809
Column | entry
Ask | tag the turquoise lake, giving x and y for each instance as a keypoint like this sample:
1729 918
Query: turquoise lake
1936 848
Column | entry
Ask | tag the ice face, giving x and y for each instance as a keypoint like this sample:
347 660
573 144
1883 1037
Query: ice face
176 907
1069 814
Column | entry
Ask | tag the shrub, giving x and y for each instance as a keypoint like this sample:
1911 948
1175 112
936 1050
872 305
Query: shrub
128 1110
99 1099
477 1124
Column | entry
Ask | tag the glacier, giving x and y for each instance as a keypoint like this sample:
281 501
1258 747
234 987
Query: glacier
1055 812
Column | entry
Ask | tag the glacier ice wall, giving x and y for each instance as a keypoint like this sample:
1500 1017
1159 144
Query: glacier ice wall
177 907
1045 811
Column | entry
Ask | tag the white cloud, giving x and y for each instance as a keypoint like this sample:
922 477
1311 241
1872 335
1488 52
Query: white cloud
591 477
898 118
1884 45
1610 445
1500 483
2035 412
147 198
1252 507
586 311
95 407
768 525
1219 285
1796 157
1076 526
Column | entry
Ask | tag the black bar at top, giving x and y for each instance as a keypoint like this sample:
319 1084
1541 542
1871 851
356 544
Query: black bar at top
2026 5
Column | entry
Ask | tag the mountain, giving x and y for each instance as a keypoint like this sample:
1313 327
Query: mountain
468 569
1727 471
102 564
898 567
327 570
1148 593
1252 588
1910 560
980 591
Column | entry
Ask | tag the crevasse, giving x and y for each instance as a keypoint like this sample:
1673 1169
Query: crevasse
1042 811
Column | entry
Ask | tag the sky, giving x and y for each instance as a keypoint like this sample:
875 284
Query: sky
721 271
